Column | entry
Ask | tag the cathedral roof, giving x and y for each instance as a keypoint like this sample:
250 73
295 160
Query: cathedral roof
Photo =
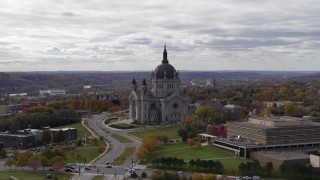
165 70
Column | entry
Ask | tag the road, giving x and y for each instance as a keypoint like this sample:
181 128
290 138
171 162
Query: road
96 124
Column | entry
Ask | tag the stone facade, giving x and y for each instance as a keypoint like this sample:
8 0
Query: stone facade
164 103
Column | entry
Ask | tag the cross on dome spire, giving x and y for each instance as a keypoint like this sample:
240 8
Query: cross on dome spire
165 58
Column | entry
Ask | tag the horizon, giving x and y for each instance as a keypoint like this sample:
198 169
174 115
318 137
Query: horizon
151 70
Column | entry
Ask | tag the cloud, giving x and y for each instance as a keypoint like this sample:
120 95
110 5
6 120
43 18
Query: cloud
129 35
68 14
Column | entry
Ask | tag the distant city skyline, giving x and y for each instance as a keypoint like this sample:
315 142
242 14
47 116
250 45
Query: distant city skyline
57 35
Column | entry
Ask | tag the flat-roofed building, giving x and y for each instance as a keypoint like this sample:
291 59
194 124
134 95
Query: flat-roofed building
21 141
276 130
68 133
52 92
270 133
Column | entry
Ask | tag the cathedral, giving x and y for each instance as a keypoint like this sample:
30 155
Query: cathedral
164 103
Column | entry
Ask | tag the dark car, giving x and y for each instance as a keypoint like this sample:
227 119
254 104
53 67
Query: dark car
68 170
108 166
69 167
87 168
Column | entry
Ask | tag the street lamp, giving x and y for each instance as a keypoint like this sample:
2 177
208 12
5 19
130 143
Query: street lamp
79 163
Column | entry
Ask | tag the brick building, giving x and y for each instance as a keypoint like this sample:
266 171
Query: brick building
21 141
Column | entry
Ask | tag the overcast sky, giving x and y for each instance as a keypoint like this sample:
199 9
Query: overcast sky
108 35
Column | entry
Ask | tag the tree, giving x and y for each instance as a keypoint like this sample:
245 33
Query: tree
197 176
268 167
46 137
232 171
9 162
163 139
242 168
213 130
183 134
57 162
3 153
142 153
289 109
22 160
101 148
192 142
189 119
95 140
34 162
218 166
256 167
209 177
224 132
191 163
156 175
44 162
220 130
48 153
204 112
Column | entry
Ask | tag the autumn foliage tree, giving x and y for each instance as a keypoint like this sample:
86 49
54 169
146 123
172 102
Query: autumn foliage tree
149 144
194 142
192 125
34 162
232 171
9 162
57 163
101 148
163 139
212 130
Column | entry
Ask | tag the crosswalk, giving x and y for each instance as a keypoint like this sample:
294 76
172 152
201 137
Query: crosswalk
101 174
98 165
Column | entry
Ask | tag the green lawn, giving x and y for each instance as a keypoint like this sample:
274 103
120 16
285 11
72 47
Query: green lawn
121 139
98 178
88 153
5 175
127 153
185 152
111 120
81 130
171 132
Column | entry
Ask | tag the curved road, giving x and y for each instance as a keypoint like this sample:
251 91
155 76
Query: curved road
96 124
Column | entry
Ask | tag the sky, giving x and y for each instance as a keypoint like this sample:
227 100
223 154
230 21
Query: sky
129 35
